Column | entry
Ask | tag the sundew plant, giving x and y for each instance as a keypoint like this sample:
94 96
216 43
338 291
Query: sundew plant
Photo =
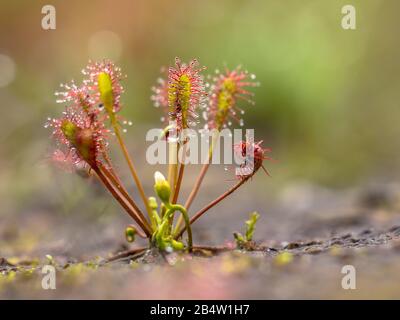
91 121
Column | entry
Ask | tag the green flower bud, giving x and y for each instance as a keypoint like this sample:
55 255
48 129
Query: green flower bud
153 203
130 233
162 187
177 245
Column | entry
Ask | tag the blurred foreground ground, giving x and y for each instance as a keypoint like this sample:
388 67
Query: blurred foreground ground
322 229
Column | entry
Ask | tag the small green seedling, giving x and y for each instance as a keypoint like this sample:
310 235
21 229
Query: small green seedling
246 242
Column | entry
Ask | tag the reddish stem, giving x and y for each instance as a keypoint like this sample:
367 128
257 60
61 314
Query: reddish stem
131 166
123 191
121 200
197 185
134 253
178 183
111 168
212 204
201 176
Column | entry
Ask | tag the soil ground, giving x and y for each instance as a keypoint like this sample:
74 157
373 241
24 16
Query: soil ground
303 242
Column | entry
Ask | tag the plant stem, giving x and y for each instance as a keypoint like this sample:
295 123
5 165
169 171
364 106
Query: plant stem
110 166
202 173
180 175
133 253
121 200
198 182
124 193
172 172
192 194
182 210
173 164
197 185
178 183
131 165
212 204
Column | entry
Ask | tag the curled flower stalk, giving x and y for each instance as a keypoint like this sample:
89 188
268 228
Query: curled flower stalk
162 236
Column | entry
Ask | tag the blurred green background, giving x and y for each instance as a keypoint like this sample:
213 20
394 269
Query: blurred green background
327 104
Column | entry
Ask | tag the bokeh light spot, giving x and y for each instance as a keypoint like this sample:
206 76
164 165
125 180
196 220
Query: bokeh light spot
7 70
